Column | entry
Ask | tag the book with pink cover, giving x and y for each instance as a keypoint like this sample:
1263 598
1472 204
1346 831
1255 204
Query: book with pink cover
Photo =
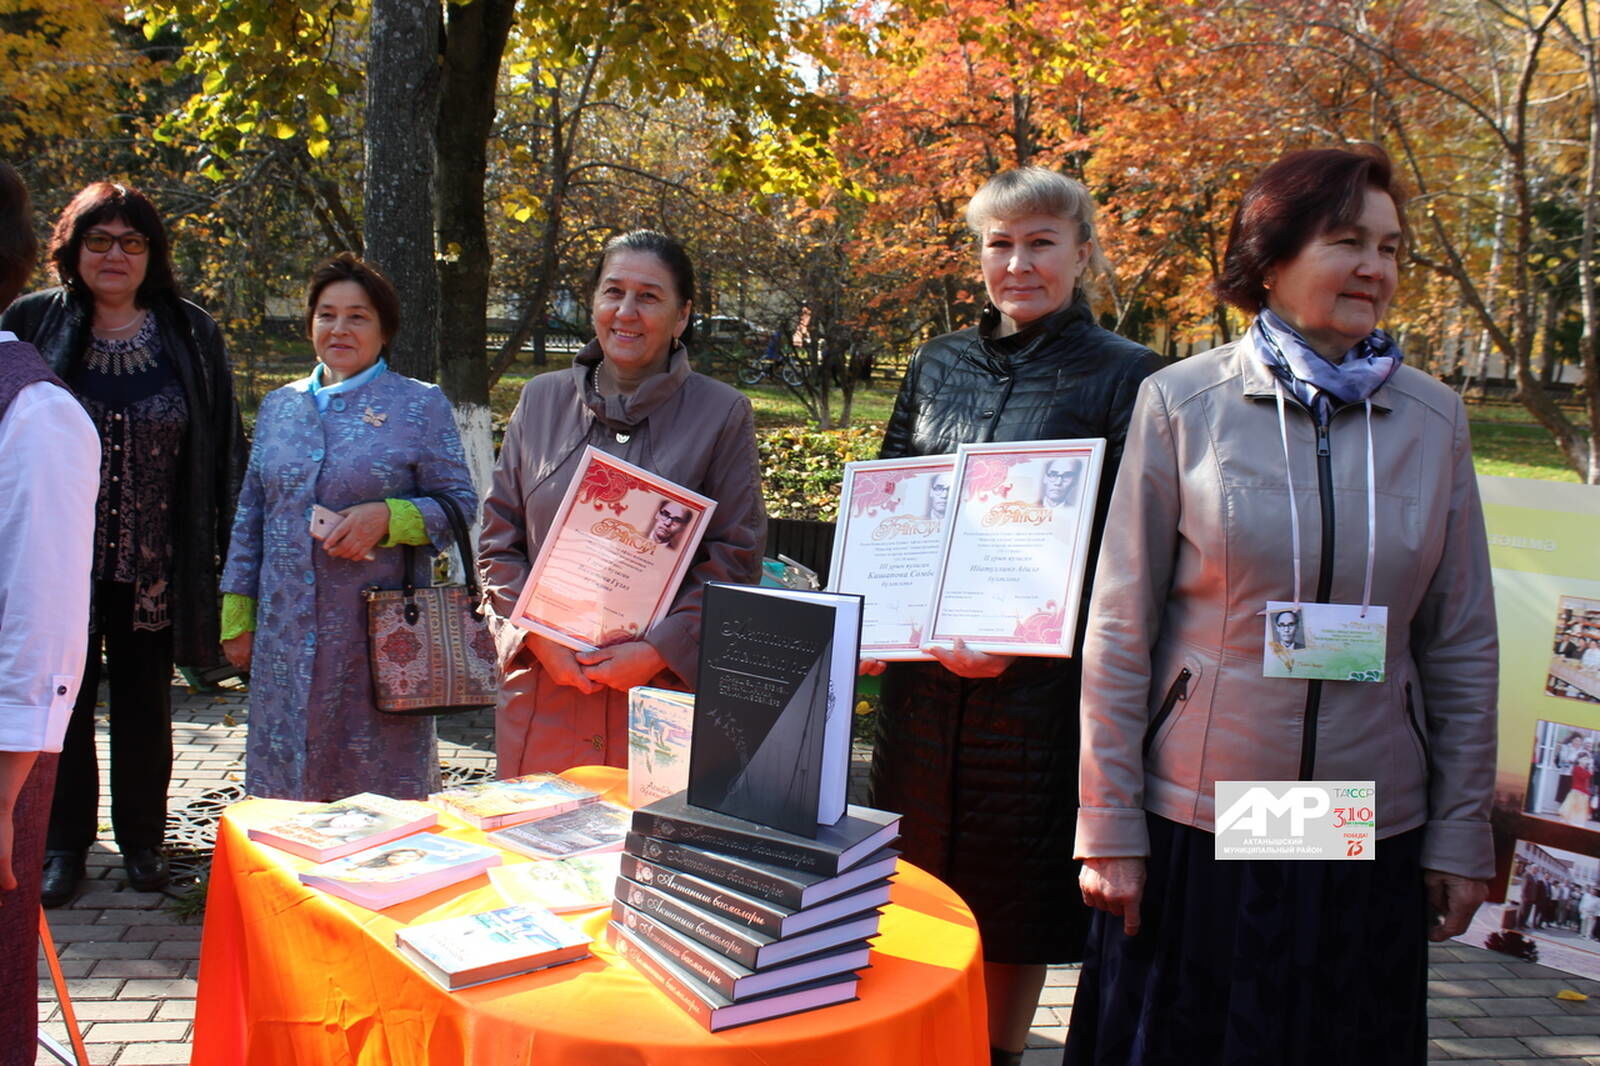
329 831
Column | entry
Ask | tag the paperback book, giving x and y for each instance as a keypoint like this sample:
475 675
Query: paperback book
708 1006
400 870
494 804
594 827
832 850
331 830
774 919
732 979
746 946
560 885
457 952
771 737
659 724
777 884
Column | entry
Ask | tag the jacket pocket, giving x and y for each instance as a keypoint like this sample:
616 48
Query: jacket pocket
1178 690
1416 727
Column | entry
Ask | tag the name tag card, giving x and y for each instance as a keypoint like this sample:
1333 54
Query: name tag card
1327 641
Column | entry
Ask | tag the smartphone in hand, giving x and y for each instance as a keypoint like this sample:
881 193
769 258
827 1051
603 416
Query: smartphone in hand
324 520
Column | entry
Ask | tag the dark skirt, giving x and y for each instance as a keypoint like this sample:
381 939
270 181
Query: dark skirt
985 773
1259 963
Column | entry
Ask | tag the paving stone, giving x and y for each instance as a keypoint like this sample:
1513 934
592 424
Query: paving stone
1552 1046
105 1010
1459 971
1445 1027
1538 986
1572 1024
1518 1006
1512 1026
1479 1047
170 1054
1454 1008
178 988
129 1032
141 968
85 988
1468 989
1057 996
176 1010
108 949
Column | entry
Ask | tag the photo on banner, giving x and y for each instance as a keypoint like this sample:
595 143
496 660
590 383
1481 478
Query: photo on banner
1545 896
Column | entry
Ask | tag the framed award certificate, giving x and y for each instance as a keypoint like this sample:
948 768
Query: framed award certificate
1016 546
612 560
886 547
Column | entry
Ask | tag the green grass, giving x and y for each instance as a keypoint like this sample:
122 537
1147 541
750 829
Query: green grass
1506 442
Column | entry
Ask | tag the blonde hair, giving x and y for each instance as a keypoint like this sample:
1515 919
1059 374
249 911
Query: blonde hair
1027 191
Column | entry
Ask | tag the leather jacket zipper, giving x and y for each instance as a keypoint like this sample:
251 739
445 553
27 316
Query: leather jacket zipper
1308 735
1178 691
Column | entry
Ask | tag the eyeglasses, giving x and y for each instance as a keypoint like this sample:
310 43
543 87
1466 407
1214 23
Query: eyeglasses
101 241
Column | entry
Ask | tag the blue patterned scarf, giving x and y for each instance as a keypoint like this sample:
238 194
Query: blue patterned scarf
1316 382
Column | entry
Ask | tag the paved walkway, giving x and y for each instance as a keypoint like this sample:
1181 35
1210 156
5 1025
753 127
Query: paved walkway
131 961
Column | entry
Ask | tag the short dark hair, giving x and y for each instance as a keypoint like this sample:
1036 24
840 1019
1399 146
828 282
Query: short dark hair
1301 195
347 266
672 254
108 201
18 246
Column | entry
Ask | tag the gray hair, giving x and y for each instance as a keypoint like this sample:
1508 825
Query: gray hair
1025 191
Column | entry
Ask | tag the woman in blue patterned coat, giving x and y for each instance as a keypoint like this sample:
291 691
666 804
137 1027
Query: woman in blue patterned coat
368 443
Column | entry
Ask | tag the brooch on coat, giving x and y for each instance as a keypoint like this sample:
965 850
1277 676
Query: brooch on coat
373 418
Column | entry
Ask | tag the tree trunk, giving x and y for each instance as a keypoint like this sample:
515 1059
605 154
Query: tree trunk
475 39
402 108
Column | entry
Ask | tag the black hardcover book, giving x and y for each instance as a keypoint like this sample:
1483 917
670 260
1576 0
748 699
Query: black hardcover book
730 978
776 884
744 945
714 1010
771 738
774 919
834 849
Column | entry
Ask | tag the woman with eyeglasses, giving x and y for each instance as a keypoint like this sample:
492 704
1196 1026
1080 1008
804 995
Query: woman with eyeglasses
152 371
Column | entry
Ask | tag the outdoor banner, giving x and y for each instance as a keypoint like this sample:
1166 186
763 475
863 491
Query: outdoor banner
1544 546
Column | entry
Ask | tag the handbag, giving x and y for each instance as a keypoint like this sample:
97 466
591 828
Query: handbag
429 648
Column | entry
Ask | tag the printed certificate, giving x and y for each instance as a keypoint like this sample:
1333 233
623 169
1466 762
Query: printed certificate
614 557
886 547
1016 546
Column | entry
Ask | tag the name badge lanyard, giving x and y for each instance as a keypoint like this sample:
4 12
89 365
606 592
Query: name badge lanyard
1294 510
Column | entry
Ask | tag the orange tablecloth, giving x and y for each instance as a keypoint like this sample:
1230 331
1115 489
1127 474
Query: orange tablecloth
293 977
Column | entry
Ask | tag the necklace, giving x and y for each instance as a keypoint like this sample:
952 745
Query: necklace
137 320
122 356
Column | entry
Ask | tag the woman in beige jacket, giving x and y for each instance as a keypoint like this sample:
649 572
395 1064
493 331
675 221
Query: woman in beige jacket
629 393
1305 451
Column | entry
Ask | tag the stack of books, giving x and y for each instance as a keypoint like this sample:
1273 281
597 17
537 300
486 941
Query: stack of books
738 922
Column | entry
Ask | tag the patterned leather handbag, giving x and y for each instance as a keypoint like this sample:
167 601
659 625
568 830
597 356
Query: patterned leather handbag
430 650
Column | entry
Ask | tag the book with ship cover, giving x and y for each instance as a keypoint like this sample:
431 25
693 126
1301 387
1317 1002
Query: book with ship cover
331 830
772 712
774 919
659 724
474 948
495 804
732 979
746 946
834 849
777 884
709 1007
593 827
400 870
560 885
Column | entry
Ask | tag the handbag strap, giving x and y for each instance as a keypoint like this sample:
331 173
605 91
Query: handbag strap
458 532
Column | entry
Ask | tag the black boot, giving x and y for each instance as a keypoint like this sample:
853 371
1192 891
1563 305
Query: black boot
1001 1057
63 871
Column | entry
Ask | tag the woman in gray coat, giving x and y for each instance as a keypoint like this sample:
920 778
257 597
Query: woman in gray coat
359 439
630 393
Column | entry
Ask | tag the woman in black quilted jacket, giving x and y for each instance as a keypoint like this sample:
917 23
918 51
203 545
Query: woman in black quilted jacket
979 751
